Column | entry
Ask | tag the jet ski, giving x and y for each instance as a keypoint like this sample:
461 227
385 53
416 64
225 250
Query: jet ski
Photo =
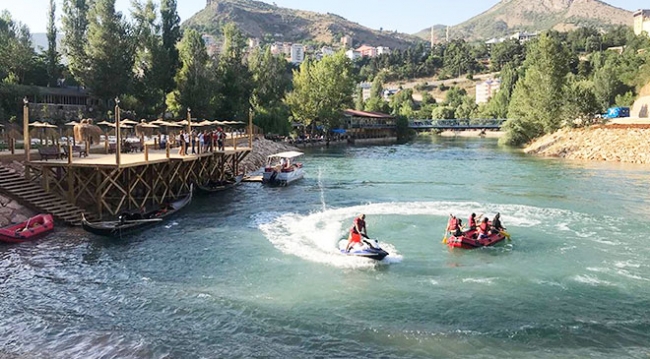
369 248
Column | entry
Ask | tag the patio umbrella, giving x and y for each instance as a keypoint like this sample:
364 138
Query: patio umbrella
128 122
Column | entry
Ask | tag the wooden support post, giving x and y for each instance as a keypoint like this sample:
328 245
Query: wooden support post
45 179
234 140
98 192
12 143
146 153
70 174
70 153
167 149
106 143
250 128
155 142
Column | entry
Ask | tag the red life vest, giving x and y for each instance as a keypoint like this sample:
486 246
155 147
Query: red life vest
484 227
472 221
453 223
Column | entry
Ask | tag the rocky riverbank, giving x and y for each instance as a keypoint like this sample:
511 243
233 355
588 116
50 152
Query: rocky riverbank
616 143
10 210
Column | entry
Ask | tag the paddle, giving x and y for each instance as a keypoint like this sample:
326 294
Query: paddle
444 238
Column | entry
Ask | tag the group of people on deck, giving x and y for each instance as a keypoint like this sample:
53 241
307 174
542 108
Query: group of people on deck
482 230
204 141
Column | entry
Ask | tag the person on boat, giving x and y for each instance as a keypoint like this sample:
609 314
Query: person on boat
472 222
358 229
497 227
452 224
458 231
484 228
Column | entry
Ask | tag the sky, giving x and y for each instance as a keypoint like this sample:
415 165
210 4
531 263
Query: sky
407 16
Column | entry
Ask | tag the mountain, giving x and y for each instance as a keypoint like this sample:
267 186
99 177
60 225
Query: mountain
272 23
510 16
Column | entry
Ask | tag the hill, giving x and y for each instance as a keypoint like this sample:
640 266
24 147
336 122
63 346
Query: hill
510 16
273 23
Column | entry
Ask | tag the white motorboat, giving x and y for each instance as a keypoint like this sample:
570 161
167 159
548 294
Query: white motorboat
282 168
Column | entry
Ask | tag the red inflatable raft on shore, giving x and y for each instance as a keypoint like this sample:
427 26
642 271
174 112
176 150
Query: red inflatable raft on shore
468 240
31 229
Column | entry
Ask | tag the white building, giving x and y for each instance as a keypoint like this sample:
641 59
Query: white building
253 43
353 55
642 22
297 54
383 50
326 51
486 90
365 90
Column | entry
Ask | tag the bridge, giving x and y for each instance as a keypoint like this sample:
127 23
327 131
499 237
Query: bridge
456 125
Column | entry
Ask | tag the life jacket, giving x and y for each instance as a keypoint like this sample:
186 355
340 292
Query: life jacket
453 223
472 221
484 227
358 223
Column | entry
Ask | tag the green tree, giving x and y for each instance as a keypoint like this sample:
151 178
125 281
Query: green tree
581 101
443 113
148 79
376 102
16 53
271 82
537 101
234 77
458 58
195 80
507 52
359 104
171 35
75 33
498 105
109 51
52 54
455 96
321 90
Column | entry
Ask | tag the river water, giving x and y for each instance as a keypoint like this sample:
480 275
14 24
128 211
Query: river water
254 272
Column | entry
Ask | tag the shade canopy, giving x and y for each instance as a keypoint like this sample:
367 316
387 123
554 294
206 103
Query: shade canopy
71 123
128 122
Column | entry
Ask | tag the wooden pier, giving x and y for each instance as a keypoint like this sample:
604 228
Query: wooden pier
101 186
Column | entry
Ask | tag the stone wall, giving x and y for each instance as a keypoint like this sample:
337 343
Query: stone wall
12 212
618 143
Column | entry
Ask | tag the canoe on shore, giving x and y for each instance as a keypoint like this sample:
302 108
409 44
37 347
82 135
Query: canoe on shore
132 223
212 187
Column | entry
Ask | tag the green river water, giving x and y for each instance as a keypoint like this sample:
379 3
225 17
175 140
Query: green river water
255 272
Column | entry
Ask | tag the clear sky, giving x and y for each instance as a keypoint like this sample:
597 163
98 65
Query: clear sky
409 16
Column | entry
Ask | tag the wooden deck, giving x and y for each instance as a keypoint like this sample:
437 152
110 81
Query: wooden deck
134 159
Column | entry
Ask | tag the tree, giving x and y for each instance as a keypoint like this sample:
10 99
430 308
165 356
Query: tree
16 53
148 78
458 58
171 35
443 113
537 102
510 51
271 83
581 101
376 102
52 54
234 77
194 81
75 30
109 51
321 90
455 96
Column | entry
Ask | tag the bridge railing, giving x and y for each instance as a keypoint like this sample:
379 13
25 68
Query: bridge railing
456 123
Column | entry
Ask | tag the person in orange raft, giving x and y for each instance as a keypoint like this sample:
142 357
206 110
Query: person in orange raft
357 230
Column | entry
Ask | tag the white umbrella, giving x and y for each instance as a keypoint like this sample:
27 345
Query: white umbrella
128 122
71 123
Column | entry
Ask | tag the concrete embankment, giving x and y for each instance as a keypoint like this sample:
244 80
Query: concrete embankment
617 143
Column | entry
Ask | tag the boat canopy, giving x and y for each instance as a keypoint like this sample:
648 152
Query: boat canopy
289 154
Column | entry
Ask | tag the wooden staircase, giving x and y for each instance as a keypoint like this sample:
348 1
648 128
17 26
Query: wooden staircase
34 197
